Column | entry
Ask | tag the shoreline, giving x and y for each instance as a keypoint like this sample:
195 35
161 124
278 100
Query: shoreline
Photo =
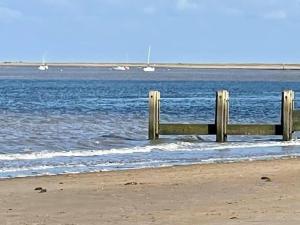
225 193
235 161
253 66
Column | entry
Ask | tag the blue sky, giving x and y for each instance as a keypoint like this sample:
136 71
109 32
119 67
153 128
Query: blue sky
197 31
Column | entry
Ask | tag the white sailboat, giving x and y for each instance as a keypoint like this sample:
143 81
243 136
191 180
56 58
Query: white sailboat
121 68
44 66
149 68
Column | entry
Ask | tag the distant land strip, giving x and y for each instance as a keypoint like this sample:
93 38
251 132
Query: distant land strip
258 66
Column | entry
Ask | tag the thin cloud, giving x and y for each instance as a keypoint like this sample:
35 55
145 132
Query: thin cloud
233 11
58 2
9 15
186 4
276 15
149 10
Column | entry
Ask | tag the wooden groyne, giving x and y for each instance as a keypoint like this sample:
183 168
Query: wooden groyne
290 120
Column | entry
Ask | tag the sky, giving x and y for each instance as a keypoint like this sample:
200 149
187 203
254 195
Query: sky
179 31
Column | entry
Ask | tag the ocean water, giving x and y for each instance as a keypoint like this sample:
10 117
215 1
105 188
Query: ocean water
72 120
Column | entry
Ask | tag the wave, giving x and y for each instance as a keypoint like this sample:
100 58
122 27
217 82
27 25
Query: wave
65 167
169 147
34 168
119 137
79 168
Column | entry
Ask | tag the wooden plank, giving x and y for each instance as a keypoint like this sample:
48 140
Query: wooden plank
209 129
296 120
296 115
154 111
221 116
287 114
254 129
187 129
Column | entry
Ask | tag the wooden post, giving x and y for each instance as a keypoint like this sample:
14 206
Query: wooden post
287 114
154 110
222 114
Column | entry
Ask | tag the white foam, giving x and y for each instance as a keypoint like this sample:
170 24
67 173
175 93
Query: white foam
178 146
235 145
45 170
85 153
35 168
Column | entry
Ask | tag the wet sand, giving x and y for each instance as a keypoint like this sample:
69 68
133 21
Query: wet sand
232 193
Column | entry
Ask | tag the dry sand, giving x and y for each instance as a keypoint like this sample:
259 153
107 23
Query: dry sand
200 194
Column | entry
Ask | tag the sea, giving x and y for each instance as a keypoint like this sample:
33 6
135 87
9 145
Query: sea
83 119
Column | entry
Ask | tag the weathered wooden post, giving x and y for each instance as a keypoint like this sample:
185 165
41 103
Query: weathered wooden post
287 114
154 110
222 114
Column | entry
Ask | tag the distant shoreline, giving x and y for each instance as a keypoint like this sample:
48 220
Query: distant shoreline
255 66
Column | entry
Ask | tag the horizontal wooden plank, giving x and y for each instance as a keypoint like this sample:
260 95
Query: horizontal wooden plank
296 120
296 126
232 129
187 129
254 129
296 115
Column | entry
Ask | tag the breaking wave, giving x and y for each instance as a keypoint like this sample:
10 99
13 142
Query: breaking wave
178 146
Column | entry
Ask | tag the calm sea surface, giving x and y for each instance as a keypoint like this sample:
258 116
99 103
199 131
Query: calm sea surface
70 120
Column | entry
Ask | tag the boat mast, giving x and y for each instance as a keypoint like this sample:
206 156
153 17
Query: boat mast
149 52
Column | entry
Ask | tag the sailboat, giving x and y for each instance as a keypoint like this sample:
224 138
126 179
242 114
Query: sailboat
122 68
149 68
44 66
119 68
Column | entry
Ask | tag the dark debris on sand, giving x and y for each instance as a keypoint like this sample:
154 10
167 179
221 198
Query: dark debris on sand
40 189
266 179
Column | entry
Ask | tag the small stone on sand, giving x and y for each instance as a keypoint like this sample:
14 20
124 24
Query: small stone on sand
131 183
267 179
43 190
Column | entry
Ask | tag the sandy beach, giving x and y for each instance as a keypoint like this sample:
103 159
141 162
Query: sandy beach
232 193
